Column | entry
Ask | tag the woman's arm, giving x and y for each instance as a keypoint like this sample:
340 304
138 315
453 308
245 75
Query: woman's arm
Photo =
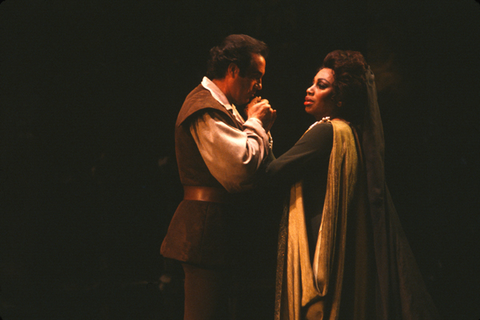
312 150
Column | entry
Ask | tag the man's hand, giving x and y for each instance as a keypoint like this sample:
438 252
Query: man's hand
260 108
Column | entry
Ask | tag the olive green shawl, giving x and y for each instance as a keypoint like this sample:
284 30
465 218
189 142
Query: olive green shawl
301 282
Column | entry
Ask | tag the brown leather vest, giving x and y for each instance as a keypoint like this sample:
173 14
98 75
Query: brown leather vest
192 169
200 232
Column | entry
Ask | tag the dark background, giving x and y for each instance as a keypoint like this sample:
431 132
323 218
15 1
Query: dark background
89 95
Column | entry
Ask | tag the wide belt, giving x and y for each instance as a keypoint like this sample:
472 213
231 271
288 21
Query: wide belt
209 194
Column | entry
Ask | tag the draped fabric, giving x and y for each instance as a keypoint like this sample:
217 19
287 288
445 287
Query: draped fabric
363 267
401 292
304 281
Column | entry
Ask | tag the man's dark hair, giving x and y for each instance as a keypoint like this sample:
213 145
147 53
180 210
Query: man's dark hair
237 49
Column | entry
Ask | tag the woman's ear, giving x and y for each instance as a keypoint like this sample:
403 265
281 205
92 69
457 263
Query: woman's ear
338 104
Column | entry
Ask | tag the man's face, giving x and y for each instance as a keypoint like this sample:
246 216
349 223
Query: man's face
244 89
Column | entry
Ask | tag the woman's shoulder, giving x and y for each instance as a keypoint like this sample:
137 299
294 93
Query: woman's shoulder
321 127
319 136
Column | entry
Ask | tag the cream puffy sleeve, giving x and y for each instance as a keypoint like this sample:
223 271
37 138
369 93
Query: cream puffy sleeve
233 156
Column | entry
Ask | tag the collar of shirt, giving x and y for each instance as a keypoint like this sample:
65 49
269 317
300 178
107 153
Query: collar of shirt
218 95
216 92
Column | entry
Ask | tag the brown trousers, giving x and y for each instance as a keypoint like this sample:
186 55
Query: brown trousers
206 293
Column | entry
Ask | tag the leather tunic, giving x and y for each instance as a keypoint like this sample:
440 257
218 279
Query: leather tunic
200 232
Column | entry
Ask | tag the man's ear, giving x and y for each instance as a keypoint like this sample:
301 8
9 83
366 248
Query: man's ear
233 70
339 104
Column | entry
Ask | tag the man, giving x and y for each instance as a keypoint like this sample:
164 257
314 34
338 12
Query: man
219 156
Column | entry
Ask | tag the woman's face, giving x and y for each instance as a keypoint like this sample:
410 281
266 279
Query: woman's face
319 102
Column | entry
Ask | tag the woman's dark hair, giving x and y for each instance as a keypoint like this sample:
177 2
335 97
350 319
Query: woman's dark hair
237 49
349 85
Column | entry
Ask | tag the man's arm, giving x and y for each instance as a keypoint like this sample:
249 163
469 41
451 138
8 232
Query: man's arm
232 155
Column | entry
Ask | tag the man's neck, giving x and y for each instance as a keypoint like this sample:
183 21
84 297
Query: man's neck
222 84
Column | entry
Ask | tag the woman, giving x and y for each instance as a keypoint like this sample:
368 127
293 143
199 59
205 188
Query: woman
342 252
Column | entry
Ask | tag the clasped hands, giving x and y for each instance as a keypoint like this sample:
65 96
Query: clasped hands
260 108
